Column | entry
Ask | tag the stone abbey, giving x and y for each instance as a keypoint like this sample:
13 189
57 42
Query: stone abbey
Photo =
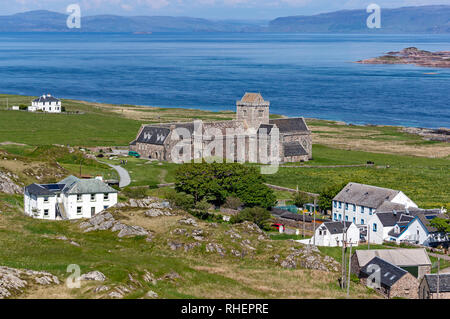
252 126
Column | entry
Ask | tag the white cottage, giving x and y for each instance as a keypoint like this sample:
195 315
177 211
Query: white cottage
357 203
331 234
71 198
46 103
409 225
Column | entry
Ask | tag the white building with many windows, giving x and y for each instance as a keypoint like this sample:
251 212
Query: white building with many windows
71 198
46 103
357 203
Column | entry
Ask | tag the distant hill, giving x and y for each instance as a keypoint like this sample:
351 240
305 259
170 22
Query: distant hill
423 19
47 21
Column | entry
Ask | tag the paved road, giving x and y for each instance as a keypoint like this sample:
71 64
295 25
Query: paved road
124 177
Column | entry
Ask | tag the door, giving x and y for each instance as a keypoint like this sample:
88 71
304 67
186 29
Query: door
92 211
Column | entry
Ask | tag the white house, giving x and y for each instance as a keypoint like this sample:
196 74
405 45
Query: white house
71 198
46 103
331 234
409 225
358 202
418 231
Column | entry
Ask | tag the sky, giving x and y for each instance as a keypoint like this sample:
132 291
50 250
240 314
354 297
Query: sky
212 9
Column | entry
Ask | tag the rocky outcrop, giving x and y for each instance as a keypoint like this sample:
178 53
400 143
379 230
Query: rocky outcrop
413 56
308 258
15 281
106 221
8 183
94 276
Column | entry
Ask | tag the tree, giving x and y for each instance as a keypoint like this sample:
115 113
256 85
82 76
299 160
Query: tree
328 193
233 203
180 200
218 181
441 224
257 215
300 199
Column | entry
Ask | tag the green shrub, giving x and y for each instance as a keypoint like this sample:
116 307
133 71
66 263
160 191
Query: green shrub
233 203
181 200
135 192
257 215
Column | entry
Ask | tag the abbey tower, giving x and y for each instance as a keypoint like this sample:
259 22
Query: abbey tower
252 110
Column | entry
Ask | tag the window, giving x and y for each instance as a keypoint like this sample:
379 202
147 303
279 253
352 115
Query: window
362 221
346 218
261 113
340 216
105 196
45 199
78 198
354 208
334 204
375 228
92 197
244 113
362 209
340 205
335 216
370 211
346 206
79 210
45 212
105 207
354 220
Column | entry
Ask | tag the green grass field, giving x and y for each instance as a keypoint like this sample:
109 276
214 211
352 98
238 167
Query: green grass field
425 180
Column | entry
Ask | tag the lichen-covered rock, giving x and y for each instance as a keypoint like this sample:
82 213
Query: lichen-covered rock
132 231
94 276
8 184
309 257
188 221
151 294
15 281
155 212
213 247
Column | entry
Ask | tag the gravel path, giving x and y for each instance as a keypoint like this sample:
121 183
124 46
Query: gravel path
124 177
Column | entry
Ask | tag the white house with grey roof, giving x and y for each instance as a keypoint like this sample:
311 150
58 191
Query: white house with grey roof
357 203
46 103
333 234
71 198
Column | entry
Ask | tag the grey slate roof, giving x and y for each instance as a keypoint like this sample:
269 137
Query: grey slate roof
294 124
444 282
38 190
402 257
389 206
390 273
389 219
46 99
268 128
336 227
365 195
86 186
294 149
153 135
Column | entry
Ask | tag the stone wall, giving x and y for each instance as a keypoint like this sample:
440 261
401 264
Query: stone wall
406 287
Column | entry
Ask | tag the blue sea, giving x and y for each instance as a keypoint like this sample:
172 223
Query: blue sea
301 74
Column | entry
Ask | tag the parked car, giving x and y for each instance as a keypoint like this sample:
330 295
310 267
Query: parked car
134 154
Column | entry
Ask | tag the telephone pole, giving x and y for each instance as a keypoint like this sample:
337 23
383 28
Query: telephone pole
349 269
439 268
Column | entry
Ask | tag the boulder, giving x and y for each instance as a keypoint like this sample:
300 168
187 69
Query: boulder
132 231
151 294
94 276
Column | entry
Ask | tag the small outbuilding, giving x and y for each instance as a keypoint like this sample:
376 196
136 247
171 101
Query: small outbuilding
414 260
389 280
435 286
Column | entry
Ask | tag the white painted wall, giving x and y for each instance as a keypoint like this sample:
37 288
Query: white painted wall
51 107
381 233
41 206
324 238
352 213
70 204
401 198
